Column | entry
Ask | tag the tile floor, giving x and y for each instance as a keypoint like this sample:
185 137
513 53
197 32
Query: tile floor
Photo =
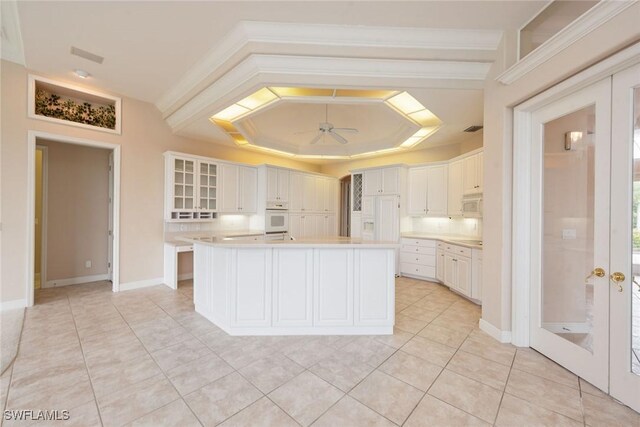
145 358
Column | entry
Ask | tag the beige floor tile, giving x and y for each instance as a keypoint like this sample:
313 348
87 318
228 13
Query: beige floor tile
176 413
350 412
179 354
5 381
420 313
463 328
161 333
444 336
118 353
309 352
531 361
343 370
430 351
250 350
126 405
68 354
517 412
388 396
586 387
607 412
306 397
196 324
368 350
432 412
411 369
409 324
221 399
263 413
434 305
220 342
495 351
118 376
464 393
397 340
475 367
545 393
198 373
271 372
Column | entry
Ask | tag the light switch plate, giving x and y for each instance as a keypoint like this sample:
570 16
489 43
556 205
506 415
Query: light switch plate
568 234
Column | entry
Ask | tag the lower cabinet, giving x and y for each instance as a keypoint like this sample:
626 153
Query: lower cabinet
440 265
304 226
292 287
250 296
333 287
418 258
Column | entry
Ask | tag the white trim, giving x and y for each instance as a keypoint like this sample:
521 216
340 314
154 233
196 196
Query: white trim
45 202
521 233
585 24
12 46
240 81
141 284
32 136
13 304
75 280
567 328
501 336
31 104
295 34
185 276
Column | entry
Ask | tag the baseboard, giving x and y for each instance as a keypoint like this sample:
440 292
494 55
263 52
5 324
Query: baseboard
497 334
13 304
141 284
185 276
75 280
567 327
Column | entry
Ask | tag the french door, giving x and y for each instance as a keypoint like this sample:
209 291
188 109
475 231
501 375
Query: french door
585 228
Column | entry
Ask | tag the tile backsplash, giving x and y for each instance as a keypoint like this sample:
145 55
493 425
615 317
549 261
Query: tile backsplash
471 227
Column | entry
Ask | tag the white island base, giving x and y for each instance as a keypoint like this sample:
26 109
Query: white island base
296 288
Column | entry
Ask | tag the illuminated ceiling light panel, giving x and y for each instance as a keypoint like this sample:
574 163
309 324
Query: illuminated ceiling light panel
403 103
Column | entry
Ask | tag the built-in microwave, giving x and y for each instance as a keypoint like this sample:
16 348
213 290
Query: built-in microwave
472 207
277 221
277 206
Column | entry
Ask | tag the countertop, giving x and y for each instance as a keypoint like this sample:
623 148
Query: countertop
177 239
468 242
332 242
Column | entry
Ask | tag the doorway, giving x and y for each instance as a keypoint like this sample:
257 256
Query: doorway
74 205
577 231
345 206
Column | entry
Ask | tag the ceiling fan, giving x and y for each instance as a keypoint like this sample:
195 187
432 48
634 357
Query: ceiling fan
326 128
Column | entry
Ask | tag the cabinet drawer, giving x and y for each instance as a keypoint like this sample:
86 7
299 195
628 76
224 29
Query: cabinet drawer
419 242
417 270
459 250
441 245
417 258
418 250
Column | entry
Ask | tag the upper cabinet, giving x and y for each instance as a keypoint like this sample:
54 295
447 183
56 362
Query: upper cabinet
427 193
277 184
455 189
472 174
312 193
238 190
191 188
382 181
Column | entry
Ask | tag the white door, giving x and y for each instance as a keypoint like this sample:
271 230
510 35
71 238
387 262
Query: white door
570 194
437 190
417 203
625 238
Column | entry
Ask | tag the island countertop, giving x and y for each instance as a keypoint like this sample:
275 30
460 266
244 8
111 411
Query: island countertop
332 242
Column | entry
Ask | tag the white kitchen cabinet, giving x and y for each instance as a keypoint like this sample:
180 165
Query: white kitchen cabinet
318 225
295 225
449 270
333 287
296 191
381 181
417 194
250 296
455 188
356 225
457 269
309 199
373 297
418 258
277 185
437 178
325 189
238 189
368 206
463 275
292 287
440 265
472 175
191 188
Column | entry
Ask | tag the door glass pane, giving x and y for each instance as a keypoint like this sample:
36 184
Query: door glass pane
635 286
568 227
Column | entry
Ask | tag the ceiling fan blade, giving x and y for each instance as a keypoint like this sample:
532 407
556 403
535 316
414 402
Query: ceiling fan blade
347 130
337 137
317 138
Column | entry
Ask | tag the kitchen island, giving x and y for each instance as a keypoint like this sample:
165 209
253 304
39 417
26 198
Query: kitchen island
337 286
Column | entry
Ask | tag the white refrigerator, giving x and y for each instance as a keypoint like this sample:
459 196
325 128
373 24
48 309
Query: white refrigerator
381 220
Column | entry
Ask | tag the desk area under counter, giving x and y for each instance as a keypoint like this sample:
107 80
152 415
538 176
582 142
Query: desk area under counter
333 286
455 262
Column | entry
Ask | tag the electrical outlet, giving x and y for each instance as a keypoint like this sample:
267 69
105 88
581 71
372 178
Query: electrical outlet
87 264
568 234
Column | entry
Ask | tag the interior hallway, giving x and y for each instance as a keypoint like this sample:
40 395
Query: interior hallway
144 357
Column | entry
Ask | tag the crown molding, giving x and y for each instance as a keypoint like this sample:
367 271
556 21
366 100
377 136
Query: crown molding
12 46
589 21
269 69
280 34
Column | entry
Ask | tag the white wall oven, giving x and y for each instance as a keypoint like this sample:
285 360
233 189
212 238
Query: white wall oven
277 221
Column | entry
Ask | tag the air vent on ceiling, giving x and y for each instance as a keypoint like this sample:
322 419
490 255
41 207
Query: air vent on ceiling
86 55
473 128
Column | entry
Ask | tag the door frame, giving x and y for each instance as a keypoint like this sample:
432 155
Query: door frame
43 226
32 137
522 275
